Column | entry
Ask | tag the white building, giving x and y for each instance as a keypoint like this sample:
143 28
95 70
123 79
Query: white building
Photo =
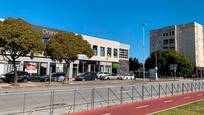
109 56
187 39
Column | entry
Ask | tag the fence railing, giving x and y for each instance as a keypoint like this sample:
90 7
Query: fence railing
66 101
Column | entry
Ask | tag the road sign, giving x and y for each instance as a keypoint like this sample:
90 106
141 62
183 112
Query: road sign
173 67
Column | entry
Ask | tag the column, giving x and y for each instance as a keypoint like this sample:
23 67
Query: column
89 68
71 70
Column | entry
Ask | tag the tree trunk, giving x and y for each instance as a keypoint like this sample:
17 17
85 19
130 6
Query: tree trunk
67 73
15 73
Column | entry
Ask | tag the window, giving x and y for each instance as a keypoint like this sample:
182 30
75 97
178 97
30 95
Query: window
171 41
109 52
165 47
173 33
164 34
45 40
123 53
95 50
165 42
102 51
115 53
172 48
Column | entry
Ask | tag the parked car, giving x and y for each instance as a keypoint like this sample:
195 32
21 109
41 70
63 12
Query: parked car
127 77
57 77
87 76
22 76
102 74
110 76
2 78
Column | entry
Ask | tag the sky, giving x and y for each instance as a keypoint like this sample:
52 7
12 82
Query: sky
118 20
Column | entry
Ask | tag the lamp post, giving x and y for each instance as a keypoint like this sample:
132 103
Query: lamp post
156 68
143 44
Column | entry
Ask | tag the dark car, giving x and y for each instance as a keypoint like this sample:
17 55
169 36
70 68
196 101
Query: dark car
87 76
58 77
22 76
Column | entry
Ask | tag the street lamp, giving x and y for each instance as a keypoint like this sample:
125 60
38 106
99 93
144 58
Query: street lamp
143 36
156 68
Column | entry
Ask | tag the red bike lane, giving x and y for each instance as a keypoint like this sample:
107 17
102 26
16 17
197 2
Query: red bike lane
145 107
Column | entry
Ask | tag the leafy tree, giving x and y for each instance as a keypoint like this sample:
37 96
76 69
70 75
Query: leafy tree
165 58
134 64
17 39
65 46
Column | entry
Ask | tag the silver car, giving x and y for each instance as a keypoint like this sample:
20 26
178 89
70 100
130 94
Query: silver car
110 77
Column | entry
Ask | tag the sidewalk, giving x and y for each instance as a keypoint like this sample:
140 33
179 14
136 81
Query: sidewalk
146 107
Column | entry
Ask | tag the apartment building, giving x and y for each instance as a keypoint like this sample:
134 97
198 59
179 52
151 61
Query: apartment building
109 56
187 39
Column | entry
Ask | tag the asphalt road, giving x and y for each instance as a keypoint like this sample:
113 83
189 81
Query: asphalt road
38 101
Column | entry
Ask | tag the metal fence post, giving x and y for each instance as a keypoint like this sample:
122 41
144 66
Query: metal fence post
143 92
172 86
159 90
74 103
183 88
24 99
50 102
121 95
92 98
199 85
108 96
191 87
151 91
132 94
53 99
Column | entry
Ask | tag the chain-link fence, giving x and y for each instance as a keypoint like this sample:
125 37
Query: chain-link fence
56 102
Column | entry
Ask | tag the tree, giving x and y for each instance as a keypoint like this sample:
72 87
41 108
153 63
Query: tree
17 39
134 64
165 58
65 46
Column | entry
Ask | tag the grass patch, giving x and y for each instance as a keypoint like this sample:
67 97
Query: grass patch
191 109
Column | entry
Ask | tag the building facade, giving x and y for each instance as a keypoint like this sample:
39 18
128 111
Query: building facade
187 39
109 56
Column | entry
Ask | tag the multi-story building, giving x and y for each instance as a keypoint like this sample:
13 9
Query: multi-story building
109 56
187 39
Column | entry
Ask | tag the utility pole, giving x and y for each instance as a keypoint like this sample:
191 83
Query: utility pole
143 44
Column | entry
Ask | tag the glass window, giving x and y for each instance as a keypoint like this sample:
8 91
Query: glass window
102 51
45 40
165 42
173 33
109 52
95 49
123 53
165 47
115 53
172 48
171 41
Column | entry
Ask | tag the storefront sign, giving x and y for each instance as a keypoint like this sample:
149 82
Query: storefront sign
31 69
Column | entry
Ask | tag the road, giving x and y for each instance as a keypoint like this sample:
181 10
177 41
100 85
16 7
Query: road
38 100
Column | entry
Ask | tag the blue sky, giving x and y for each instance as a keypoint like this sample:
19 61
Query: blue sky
119 20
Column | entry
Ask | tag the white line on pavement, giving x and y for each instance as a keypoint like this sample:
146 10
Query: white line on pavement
187 97
199 94
142 106
106 114
168 101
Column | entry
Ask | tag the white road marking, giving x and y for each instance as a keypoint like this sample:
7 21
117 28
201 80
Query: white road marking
168 101
187 97
106 114
199 94
142 106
